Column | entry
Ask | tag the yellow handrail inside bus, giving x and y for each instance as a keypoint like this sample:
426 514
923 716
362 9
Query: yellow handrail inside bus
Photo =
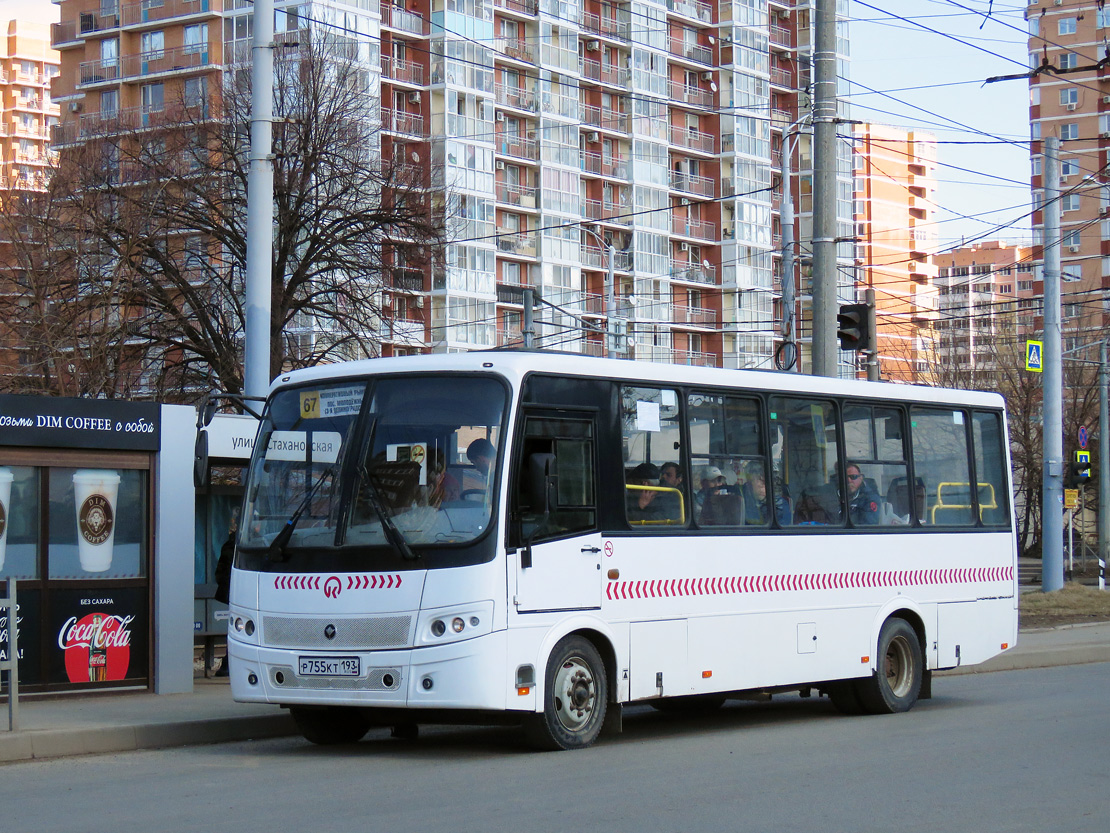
667 521
963 488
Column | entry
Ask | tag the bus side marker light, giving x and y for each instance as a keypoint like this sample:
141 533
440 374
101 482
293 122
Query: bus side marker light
523 691
705 675
614 575
1005 645
864 660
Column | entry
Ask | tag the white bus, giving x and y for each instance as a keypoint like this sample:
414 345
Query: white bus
618 533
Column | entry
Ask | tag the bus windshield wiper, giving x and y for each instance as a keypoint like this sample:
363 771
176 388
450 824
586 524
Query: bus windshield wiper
276 550
392 534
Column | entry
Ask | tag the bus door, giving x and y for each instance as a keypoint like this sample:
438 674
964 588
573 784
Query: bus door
558 564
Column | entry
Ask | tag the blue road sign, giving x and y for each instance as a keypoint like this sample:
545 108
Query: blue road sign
1034 355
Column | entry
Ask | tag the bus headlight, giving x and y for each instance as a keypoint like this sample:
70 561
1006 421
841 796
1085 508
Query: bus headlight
242 627
454 624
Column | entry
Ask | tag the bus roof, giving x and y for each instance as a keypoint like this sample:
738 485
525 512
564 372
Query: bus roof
514 365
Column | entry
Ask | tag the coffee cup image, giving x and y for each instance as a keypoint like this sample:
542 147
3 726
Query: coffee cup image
6 478
94 497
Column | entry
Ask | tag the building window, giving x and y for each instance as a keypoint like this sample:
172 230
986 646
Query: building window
1069 60
152 46
1067 26
1071 238
1069 131
1069 202
1069 167
1069 95
196 38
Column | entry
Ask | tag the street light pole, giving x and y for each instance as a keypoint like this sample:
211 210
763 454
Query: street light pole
1052 494
1103 457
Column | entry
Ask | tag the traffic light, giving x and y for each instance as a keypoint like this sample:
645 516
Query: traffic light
851 327
1077 475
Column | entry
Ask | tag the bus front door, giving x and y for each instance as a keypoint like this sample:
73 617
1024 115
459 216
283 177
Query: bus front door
558 564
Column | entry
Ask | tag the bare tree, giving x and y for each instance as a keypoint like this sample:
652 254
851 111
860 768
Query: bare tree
146 222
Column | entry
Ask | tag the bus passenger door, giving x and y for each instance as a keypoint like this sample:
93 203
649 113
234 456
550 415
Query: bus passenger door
558 565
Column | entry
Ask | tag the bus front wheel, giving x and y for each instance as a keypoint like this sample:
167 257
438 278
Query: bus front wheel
575 695
896 684
331 725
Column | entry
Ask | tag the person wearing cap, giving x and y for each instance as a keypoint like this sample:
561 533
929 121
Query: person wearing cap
712 481
641 503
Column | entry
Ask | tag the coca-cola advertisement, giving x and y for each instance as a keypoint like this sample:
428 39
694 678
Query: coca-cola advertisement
100 636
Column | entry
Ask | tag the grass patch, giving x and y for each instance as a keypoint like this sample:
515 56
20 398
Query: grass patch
1074 604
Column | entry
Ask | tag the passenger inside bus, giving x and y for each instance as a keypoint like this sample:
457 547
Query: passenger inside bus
756 503
642 497
864 503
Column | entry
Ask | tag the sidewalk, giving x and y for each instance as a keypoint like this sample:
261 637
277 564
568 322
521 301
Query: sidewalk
60 726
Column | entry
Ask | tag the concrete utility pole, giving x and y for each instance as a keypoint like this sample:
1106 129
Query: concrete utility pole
1052 498
1104 455
260 205
824 306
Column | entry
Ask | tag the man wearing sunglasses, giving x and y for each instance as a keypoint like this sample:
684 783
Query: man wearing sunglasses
863 500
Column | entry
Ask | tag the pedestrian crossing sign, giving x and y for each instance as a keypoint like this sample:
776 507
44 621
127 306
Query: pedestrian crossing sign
1034 355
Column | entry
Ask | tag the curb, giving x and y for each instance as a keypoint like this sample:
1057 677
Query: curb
59 743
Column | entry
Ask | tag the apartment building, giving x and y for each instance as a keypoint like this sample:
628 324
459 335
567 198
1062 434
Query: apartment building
615 157
27 65
895 176
989 305
1074 106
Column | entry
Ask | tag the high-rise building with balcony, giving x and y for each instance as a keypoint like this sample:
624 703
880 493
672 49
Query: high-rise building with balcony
895 234
27 113
1073 104
988 307
618 158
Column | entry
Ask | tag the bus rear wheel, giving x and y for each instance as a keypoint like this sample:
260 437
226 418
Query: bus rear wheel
896 684
576 692
331 725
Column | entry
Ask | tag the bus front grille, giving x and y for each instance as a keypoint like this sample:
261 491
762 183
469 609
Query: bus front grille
366 633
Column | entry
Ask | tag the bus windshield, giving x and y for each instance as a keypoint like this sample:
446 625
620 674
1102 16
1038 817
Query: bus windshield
389 462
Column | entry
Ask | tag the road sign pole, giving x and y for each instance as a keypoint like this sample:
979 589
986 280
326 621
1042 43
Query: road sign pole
1052 538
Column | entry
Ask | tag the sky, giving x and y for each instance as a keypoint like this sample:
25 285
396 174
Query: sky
934 82
924 80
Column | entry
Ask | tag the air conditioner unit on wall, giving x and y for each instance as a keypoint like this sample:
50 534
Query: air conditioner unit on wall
593 45
593 137
76 106
414 98
499 165
499 116
707 76
1071 107
684 247
1106 99
1073 249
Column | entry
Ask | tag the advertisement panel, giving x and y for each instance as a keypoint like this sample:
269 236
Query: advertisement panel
98 636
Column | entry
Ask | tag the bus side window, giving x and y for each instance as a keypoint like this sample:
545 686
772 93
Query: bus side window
990 468
874 445
571 442
804 449
940 460
656 494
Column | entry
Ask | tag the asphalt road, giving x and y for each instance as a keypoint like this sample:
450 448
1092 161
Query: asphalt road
1009 751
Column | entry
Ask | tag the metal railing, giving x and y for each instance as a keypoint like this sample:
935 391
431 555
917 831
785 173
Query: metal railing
10 619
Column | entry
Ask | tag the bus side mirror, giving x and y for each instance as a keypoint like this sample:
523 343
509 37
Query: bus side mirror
200 460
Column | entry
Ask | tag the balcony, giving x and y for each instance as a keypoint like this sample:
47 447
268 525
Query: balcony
695 358
525 7
690 51
520 195
604 73
693 139
694 316
615 167
146 63
150 11
402 20
605 119
408 124
781 77
781 119
518 147
684 270
517 98
594 257
515 48
407 278
703 186
606 212
509 338
692 8
609 26
516 243
780 36
691 95
405 72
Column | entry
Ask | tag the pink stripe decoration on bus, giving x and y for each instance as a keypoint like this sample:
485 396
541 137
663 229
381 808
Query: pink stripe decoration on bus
377 581
670 588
